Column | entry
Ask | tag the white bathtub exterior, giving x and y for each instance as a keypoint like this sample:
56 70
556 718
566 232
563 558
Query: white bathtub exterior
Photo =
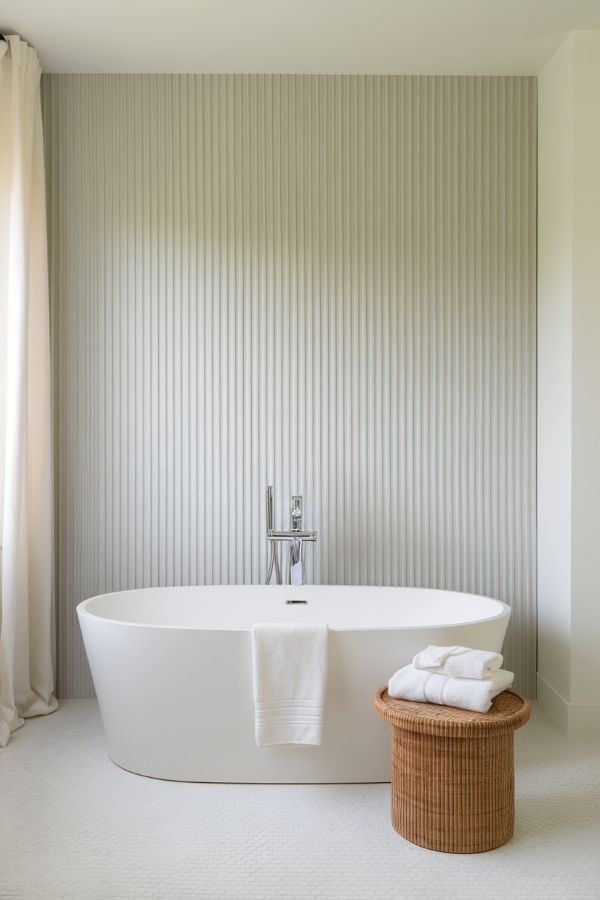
172 672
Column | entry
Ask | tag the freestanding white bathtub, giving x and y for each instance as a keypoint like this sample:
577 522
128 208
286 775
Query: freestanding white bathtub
172 671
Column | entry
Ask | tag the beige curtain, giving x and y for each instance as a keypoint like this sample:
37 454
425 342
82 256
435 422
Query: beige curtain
26 671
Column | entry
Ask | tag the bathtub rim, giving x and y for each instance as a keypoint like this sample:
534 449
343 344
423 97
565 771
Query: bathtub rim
83 612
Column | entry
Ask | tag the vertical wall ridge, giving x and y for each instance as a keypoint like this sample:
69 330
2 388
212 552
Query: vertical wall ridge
322 282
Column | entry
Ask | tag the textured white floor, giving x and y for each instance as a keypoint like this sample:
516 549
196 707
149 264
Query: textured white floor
73 825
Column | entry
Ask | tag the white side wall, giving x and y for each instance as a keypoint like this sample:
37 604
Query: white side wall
554 369
569 384
585 666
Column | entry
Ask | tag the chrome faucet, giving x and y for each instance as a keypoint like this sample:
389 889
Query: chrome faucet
295 537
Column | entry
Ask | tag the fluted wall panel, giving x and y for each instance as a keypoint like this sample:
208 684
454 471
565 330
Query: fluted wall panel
322 282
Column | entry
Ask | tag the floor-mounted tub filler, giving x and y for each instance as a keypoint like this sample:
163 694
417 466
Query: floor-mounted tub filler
173 674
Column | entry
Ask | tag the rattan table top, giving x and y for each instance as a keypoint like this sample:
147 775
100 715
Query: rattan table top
508 712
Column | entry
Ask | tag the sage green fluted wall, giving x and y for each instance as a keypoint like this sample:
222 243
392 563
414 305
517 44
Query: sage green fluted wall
322 282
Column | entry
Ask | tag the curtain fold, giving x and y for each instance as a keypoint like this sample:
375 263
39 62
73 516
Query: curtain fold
26 614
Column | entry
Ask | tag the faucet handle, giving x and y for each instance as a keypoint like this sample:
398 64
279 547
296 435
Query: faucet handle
296 512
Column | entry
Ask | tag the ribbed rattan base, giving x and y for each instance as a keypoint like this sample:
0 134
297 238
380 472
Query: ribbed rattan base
453 772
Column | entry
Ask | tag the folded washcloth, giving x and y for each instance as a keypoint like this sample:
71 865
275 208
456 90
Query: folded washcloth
429 687
289 667
460 662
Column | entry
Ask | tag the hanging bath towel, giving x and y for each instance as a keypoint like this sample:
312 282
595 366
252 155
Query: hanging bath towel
289 668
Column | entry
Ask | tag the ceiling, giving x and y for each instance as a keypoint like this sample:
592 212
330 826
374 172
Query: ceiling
470 37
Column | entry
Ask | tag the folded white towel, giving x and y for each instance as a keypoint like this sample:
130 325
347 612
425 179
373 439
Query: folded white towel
289 667
429 687
460 662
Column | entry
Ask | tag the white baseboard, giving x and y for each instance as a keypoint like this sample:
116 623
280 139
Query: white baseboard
573 719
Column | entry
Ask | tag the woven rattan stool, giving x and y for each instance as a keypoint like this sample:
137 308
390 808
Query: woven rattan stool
453 772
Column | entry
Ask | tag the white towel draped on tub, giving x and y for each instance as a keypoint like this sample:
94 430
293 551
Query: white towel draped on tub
289 668
429 687
459 662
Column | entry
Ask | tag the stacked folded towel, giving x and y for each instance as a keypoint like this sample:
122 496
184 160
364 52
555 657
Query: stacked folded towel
460 662
452 676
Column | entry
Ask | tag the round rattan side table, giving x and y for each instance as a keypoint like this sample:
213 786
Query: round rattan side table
453 772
